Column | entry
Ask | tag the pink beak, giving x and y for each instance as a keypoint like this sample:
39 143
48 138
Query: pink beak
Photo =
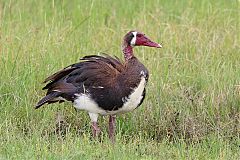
152 44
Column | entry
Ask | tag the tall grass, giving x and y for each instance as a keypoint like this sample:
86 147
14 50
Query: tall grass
192 108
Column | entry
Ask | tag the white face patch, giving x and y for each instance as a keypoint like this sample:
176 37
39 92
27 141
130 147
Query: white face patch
133 41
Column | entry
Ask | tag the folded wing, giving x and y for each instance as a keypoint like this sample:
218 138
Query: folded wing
94 71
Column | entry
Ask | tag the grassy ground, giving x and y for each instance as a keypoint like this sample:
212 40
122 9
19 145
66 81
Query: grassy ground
192 108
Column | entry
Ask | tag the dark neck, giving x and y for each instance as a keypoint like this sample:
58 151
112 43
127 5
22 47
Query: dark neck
128 52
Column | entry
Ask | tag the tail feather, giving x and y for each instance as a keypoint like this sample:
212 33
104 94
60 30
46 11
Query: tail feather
47 99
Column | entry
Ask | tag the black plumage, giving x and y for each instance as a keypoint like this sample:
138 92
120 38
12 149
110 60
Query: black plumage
106 79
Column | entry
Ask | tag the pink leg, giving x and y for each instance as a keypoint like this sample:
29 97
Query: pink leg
95 130
112 126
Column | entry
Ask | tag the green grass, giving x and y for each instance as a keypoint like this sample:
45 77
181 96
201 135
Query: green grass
192 108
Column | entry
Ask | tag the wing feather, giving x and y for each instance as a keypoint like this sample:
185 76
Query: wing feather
91 70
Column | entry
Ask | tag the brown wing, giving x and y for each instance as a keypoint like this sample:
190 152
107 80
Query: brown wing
92 71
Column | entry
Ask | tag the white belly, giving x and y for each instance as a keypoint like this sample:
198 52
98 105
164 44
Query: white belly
84 101
131 102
